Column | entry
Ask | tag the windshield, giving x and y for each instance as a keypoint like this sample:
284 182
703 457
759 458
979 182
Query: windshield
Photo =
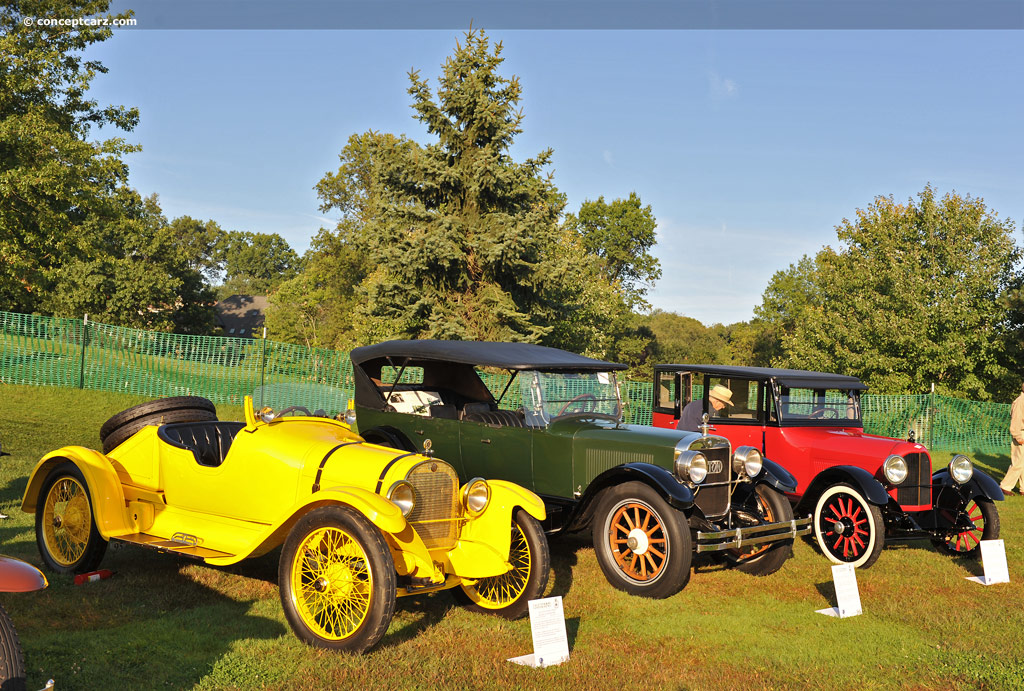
836 405
550 395
318 399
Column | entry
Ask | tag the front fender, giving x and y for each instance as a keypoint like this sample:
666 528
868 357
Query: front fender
18 577
858 478
105 492
774 475
980 485
678 495
486 541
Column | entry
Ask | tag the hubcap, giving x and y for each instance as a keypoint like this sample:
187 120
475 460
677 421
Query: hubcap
638 541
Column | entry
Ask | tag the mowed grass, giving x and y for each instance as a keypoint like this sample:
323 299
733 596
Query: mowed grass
162 621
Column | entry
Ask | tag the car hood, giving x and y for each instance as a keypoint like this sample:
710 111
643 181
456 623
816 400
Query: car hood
639 442
847 444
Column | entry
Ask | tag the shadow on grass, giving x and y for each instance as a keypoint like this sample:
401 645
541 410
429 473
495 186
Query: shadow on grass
995 465
827 590
563 549
163 620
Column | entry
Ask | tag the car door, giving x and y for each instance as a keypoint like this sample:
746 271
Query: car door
497 452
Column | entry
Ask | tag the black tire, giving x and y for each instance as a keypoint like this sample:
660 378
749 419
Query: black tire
848 528
509 594
66 532
761 560
12 661
985 516
361 600
388 436
625 564
120 427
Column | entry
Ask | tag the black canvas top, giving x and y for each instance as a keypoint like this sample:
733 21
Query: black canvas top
510 356
793 378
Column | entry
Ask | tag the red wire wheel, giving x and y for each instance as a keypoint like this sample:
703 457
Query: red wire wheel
848 529
967 543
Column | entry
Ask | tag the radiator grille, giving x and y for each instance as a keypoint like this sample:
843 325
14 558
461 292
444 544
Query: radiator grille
437 514
714 493
916 490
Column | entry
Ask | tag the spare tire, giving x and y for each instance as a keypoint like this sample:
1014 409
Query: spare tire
118 428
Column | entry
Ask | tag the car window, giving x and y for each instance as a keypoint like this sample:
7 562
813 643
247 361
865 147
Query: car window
410 375
548 395
745 395
819 404
666 391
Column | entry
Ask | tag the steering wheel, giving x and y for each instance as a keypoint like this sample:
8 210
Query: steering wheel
294 408
589 397
823 413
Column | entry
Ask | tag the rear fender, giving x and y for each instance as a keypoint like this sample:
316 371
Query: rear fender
858 478
105 492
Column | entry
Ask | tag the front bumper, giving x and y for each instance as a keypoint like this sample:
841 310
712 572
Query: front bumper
752 535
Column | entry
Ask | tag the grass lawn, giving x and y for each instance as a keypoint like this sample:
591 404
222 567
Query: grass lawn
163 621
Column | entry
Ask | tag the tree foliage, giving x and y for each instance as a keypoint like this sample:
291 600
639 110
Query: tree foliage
621 234
916 294
255 263
454 239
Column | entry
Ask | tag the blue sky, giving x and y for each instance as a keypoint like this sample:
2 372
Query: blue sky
750 146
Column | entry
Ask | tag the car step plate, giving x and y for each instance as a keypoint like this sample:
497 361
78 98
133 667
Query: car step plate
177 545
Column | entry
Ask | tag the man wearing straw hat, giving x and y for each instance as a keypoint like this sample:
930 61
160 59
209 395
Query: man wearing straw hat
1015 474
690 420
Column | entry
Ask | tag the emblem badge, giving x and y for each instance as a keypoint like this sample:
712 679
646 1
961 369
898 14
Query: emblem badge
714 467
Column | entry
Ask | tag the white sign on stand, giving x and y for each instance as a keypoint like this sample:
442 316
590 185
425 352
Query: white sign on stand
550 643
844 576
993 558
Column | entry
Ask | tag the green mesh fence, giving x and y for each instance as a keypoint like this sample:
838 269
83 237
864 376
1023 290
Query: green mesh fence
50 351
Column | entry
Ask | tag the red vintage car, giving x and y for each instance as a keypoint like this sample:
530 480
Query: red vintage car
864 490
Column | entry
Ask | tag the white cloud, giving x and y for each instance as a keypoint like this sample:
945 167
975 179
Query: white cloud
607 155
721 87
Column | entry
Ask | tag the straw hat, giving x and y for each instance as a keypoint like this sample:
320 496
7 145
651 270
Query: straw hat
721 393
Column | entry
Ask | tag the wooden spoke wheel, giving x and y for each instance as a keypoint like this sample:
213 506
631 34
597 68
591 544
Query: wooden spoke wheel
643 544
770 506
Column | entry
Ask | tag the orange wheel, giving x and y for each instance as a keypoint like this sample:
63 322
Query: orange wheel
643 545
769 506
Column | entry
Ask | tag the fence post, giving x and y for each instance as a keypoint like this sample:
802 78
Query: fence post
931 418
263 364
85 341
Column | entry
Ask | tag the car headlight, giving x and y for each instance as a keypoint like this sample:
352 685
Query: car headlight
691 466
403 496
267 414
895 469
350 417
475 496
961 468
747 459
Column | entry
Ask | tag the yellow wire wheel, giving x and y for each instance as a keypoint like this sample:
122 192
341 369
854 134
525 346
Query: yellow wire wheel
66 531
508 594
337 580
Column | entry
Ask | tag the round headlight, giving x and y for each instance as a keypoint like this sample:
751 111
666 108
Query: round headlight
267 414
403 496
691 466
961 468
475 496
895 469
747 460
350 417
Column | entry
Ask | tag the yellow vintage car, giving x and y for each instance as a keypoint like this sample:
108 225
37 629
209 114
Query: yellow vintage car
360 524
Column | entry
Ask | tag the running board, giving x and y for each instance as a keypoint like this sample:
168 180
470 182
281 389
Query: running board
181 543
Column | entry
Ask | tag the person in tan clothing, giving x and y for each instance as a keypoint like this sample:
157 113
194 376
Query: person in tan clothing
1015 474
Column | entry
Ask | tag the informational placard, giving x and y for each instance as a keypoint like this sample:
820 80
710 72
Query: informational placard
550 642
993 558
844 577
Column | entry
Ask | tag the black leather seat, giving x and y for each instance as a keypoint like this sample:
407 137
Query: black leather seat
208 441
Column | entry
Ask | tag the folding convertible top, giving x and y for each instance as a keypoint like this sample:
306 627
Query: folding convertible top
792 378
508 356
